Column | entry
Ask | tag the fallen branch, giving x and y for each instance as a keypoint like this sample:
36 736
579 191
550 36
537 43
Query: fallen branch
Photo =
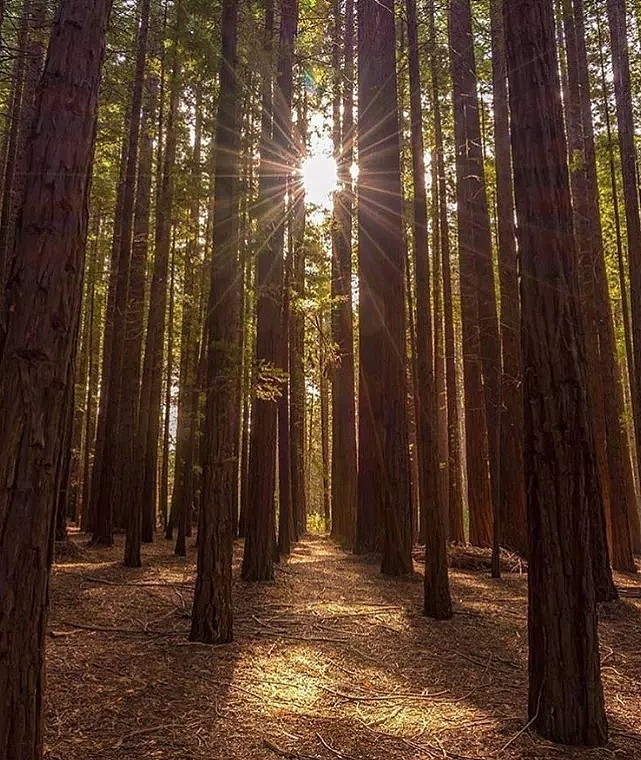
141 584
143 731
336 752
126 631
382 697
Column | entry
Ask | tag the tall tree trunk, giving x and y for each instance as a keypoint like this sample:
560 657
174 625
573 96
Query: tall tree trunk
212 615
384 489
258 555
130 451
456 532
163 490
40 320
182 495
297 350
605 383
151 389
323 389
511 506
437 602
344 451
101 510
565 694
625 118
89 410
121 401
285 512
466 129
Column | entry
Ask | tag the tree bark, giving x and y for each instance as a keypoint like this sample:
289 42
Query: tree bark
40 320
601 345
344 450
384 488
212 615
437 602
565 693
182 496
616 11
456 532
466 128
511 506
151 389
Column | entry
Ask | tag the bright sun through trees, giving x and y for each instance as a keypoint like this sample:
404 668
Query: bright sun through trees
320 178
233 371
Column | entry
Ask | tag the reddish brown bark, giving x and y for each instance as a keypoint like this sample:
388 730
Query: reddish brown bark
384 488
455 486
616 11
40 320
344 451
212 615
601 344
436 602
259 541
471 250
565 694
511 506
151 388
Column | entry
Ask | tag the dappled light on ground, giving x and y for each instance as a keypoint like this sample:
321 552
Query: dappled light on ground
330 661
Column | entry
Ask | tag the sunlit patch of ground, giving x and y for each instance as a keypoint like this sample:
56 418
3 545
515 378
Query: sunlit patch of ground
330 661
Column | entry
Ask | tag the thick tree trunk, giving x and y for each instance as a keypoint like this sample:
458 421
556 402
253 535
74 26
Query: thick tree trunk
120 415
437 602
40 320
151 389
276 160
384 488
182 496
101 510
149 516
323 388
136 228
212 615
455 486
600 345
344 451
476 424
511 506
285 513
625 118
565 697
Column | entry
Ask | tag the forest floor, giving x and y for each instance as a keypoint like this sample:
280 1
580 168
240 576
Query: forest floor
330 661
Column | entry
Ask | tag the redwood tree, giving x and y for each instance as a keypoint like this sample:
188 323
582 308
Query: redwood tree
437 602
466 132
384 489
212 613
40 321
344 452
565 693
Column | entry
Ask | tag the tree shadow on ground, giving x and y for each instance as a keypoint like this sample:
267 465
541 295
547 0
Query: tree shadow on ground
332 660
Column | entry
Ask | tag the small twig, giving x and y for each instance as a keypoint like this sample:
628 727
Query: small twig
141 584
527 725
626 735
336 752
143 731
128 631
62 634
382 697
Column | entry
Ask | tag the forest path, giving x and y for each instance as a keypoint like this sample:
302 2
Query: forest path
330 661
